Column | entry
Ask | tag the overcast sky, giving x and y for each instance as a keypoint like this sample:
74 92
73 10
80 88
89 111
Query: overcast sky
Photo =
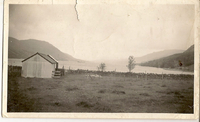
106 31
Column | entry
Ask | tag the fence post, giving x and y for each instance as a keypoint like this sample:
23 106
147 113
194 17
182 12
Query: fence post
145 76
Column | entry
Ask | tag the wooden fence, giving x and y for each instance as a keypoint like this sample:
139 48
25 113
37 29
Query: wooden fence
58 73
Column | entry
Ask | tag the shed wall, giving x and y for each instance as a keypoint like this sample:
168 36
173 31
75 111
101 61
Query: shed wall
37 66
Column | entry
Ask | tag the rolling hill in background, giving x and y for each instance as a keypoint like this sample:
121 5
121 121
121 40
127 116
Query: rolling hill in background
186 58
21 49
145 58
157 55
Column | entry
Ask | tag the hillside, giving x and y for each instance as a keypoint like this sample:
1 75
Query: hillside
21 49
145 58
186 58
157 55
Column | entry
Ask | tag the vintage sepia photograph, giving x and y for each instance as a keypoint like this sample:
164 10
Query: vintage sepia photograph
101 58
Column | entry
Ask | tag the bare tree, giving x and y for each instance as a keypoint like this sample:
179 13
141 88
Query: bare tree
101 67
98 68
131 63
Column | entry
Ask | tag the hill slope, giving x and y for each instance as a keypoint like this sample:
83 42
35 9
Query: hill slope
157 55
186 58
21 49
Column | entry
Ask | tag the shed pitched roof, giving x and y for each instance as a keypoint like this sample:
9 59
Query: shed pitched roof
46 57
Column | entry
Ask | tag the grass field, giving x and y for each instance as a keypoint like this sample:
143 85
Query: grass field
77 93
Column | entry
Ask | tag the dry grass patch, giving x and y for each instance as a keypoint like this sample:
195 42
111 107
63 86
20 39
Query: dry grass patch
163 86
102 91
84 104
144 94
118 92
72 89
31 88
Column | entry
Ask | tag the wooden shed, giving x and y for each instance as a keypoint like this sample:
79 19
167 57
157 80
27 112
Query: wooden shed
39 65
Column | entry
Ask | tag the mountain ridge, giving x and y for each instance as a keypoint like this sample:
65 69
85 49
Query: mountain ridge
21 49
145 58
184 61
157 55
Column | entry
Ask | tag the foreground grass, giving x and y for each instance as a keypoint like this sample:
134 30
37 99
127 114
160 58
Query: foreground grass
76 93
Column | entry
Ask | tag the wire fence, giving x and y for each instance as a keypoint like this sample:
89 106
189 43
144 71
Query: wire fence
16 71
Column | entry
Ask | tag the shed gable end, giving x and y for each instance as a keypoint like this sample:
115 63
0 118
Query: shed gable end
36 58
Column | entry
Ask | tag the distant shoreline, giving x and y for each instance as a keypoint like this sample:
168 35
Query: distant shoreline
109 67
170 69
81 71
